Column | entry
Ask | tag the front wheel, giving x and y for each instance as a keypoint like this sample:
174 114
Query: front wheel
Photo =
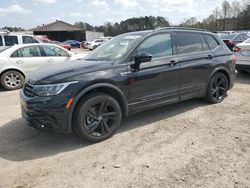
217 88
12 80
97 118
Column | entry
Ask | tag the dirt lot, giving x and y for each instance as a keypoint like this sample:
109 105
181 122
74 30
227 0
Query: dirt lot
190 144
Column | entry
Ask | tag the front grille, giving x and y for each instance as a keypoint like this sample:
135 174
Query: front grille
28 90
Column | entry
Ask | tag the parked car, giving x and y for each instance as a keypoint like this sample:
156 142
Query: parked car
43 39
64 45
10 39
242 52
18 61
233 39
97 42
130 73
73 43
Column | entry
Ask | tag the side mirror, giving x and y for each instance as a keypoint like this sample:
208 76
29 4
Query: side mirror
69 55
141 57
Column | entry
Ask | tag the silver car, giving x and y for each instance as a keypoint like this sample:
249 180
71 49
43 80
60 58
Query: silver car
242 53
19 60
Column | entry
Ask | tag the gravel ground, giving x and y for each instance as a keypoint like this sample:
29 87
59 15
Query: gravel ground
190 144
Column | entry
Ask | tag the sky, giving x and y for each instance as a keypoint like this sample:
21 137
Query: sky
31 13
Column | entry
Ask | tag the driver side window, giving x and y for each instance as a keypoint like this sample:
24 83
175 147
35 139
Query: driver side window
159 46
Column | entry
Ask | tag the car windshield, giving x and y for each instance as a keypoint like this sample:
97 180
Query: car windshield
115 49
247 41
228 37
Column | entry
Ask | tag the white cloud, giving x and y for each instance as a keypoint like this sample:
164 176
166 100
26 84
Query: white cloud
44 1
100 3
78 1
127 3
13 9
75 14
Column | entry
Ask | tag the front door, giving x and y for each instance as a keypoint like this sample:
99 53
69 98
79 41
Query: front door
28 58
156 82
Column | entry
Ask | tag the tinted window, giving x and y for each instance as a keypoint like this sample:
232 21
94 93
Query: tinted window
158 46
1 41
29 39
54 51
188 43
212 43
32 51
10 40
204 43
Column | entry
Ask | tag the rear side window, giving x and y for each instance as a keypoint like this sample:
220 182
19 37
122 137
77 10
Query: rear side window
52 51
188 43
158 46
1 41
32 51
28 39
212 43
10 40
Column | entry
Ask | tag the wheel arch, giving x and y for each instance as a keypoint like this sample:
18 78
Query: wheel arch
106 88
12 69
222 70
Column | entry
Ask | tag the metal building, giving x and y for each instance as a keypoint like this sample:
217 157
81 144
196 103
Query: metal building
60 31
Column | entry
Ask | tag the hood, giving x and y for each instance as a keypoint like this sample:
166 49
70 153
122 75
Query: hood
62 72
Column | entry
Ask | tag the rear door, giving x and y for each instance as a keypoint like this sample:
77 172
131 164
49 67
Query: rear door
28 58
195 62
54 54
156 81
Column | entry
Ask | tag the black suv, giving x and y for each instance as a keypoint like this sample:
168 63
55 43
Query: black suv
130 73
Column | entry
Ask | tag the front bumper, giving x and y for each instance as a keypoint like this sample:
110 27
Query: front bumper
46 113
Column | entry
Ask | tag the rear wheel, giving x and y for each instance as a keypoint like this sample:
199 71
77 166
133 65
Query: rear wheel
97 118
217 88
12 80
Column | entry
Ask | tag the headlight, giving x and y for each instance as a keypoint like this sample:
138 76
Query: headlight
50 90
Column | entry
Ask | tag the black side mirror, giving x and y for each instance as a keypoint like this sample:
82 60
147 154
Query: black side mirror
139 58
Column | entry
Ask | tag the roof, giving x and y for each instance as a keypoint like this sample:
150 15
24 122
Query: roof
58 25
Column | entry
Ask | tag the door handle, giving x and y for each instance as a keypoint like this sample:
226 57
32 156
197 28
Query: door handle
172 63
19 62
209 57
51 61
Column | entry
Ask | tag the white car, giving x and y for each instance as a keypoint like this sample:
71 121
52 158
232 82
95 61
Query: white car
19 60
97 42
242 53
10 39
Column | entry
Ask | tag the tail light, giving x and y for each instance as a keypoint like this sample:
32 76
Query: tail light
233 58
236 49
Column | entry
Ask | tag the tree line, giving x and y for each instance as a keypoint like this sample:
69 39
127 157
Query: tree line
229 16
129 25
234 16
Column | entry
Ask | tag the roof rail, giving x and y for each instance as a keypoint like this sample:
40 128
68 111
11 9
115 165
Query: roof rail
181 28
4 31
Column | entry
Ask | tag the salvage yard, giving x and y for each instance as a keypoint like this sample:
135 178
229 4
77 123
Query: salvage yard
190 144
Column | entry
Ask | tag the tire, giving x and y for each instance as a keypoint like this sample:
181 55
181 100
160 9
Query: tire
97 117
217 88
12 80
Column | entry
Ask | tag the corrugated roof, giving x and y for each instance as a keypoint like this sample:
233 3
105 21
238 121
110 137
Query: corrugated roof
58 25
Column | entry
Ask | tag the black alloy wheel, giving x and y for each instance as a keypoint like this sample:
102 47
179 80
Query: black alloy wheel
98 117
217 89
